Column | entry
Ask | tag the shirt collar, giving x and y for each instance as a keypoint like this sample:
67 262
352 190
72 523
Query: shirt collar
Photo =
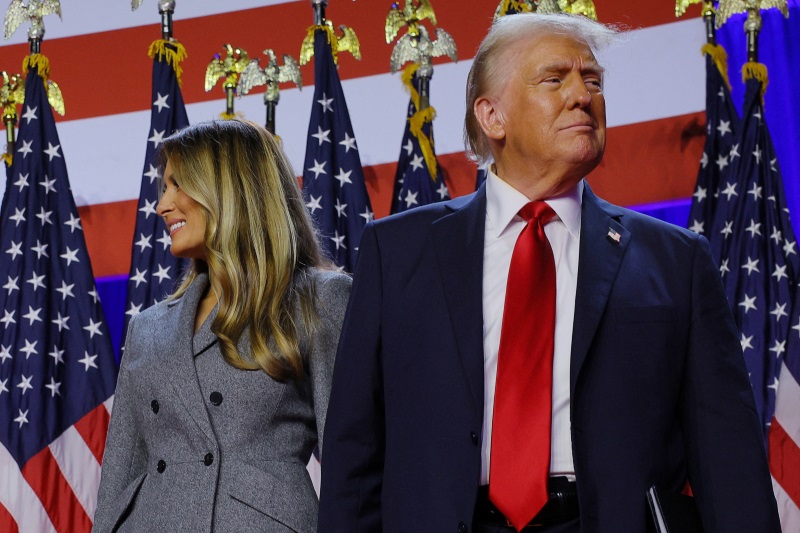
503 202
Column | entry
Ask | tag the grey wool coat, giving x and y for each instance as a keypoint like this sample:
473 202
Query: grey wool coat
196 445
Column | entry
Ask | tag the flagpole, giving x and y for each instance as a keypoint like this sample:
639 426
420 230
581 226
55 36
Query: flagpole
319 11
166 8
709 15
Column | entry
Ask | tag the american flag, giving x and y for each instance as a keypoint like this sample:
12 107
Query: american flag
154 270
57 369
760 269
721 149
414 184
333 181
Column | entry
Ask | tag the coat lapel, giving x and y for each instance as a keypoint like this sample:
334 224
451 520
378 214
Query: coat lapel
459 240
180 355
603 244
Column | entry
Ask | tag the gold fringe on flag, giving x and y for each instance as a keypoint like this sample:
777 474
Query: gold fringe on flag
173 51
408 79
8 158
307 48
227 116
42 65
416 121
758 71
39 61
720 57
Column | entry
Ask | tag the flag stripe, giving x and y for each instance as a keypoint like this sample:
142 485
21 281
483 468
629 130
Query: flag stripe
46 479
93 428
786 405
784 461
671 169
285 24
7 522
787 508
79 466
19 499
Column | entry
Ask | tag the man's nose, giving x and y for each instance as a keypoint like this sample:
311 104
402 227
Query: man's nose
578 93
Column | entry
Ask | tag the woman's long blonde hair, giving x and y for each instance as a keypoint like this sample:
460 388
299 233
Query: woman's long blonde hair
260 242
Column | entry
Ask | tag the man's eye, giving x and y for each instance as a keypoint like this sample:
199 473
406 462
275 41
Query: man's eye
594 84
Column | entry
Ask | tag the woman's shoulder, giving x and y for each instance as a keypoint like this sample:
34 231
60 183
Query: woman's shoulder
332 289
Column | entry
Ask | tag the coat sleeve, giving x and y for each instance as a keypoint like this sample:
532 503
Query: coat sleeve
124 459
333 291
727 463
352 463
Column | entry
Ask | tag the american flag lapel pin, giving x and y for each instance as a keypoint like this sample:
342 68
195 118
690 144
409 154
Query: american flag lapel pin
613 236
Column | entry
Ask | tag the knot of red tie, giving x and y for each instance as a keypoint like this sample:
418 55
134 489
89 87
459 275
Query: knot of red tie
537 210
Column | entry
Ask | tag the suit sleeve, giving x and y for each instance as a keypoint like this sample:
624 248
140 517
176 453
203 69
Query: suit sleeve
124 459
352 463
727 463
332 295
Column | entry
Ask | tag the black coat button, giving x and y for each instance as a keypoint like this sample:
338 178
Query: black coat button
161 466
474 437
462 527
208 459
216 398
154 406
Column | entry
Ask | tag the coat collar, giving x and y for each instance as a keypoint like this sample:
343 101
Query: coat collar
459 237
180 353
604 241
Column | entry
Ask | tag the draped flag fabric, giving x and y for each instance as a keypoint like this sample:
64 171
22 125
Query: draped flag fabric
154 271
760 268
414 183
57 369
722 125
333 180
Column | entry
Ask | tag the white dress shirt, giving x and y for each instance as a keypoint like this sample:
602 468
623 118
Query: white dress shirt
503 226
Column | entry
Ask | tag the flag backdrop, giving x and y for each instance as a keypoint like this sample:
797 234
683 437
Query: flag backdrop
57 368
333 181
154 270
418 180
655 94
722 125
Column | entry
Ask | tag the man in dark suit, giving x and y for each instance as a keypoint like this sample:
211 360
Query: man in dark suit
530 357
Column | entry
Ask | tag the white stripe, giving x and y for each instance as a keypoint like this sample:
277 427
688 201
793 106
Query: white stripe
78 466
91 16
109 169
646 81
787 400
315 471
109 404
20 500
787 509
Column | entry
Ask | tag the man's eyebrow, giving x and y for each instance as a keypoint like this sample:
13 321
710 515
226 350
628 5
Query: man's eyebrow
562 66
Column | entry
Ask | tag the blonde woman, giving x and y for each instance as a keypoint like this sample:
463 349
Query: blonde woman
223 388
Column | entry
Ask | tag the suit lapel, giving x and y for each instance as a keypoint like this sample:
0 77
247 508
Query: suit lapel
459 248
603 244
180 355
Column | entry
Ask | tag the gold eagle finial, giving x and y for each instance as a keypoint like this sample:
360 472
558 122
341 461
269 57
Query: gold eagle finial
271 75
411 15
579 7
346 42
728 8
34 12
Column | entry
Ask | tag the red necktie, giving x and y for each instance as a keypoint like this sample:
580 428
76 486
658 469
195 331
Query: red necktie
520 457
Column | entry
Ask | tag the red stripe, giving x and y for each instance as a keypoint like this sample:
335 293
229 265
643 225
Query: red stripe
784 461
120 56
65 511
7 522
664 155
93 428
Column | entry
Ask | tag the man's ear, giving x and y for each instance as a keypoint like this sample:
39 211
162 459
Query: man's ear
490 118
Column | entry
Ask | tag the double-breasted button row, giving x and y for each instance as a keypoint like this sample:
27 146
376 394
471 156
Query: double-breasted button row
154 406
208 459
473 437
161 466
462 527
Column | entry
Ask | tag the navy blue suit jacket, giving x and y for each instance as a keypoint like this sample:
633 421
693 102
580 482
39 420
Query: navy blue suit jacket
659 391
